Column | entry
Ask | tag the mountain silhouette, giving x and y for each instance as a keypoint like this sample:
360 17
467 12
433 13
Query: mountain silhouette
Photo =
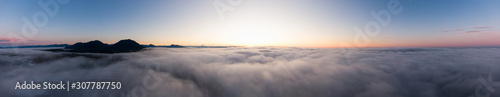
96 46
175 46
126 45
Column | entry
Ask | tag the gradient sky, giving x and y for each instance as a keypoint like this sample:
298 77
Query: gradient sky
298 23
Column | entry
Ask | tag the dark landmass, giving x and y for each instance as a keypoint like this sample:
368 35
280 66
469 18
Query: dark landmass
213 46
97 46
150 45
91 45
172 46
180 46
126 46
40 46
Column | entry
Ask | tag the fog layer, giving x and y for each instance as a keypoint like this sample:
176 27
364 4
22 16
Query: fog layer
258 72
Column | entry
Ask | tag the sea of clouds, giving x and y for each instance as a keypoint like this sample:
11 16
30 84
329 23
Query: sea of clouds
258 72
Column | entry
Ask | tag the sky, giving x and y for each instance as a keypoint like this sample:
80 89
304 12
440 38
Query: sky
289 23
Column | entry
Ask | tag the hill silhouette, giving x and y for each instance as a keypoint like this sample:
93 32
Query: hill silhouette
96 46
126 46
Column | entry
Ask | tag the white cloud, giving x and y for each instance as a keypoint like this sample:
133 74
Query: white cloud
259 72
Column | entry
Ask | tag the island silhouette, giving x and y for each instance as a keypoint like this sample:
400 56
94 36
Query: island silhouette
96 46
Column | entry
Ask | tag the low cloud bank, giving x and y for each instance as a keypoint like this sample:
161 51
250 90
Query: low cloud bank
258 72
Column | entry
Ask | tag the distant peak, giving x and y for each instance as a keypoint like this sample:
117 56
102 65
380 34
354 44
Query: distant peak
125 45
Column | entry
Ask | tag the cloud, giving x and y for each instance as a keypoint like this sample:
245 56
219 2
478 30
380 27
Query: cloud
458 29
477 27
258 72
7 40
482 27
472 31
490 34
